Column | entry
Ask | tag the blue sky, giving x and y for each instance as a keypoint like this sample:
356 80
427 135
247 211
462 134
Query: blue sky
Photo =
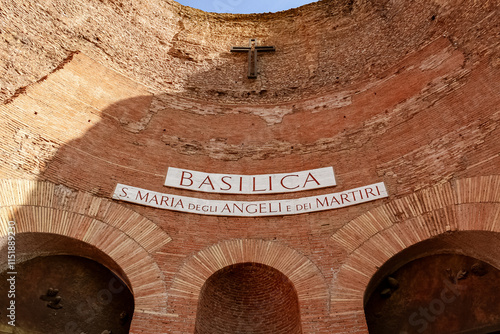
244 6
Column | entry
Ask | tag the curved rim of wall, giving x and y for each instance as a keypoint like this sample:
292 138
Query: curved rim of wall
310 284
191 6
122 234
370 240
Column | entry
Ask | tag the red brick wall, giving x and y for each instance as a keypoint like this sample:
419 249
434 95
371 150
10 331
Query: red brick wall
401 92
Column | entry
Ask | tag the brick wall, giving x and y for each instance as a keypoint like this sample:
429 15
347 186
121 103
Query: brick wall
97 93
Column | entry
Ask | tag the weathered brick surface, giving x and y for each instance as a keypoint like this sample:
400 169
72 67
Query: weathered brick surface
100 92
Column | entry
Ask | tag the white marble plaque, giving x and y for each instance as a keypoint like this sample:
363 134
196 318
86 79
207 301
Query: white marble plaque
250 209
250 184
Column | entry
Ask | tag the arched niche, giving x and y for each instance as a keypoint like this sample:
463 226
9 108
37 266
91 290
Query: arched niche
307 279
248 298
64 294
446 284
52 220
372 240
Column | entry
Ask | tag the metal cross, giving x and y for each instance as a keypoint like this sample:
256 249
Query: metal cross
252 50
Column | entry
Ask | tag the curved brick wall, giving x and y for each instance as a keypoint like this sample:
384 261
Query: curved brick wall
95 93
321 47
248 298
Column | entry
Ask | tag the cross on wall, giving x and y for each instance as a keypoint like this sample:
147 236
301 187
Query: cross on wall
252 49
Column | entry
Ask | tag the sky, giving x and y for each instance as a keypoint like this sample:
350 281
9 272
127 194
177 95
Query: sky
244 6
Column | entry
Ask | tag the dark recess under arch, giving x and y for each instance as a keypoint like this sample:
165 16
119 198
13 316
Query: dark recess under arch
248 298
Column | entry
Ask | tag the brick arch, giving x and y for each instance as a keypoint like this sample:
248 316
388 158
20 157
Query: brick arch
370 240
310 285
120 233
